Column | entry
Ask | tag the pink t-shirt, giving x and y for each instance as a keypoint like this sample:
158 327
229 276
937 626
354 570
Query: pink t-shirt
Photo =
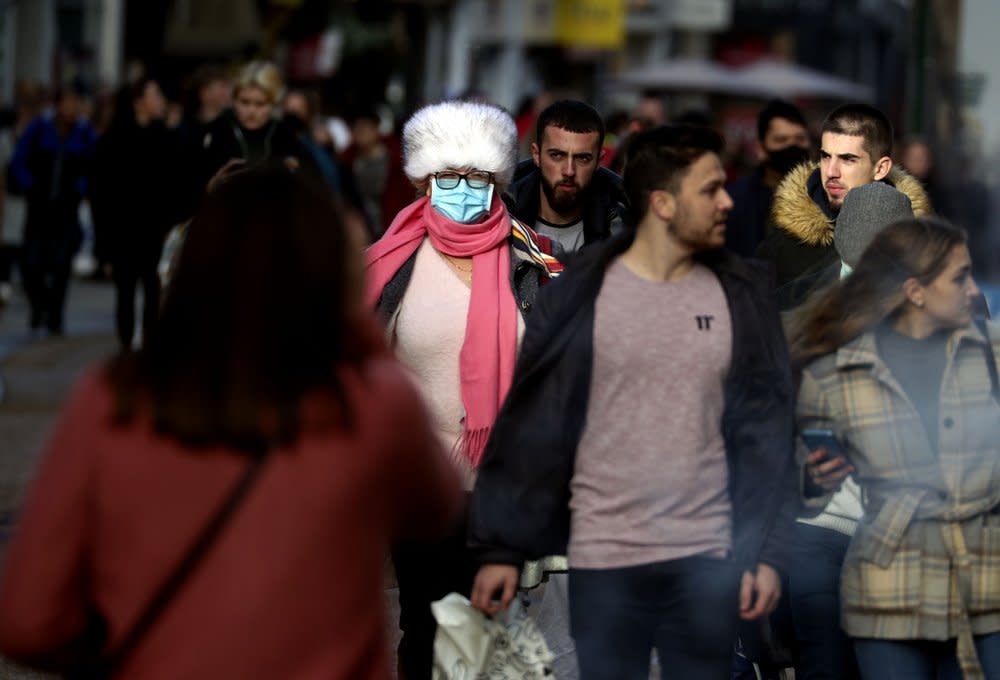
651 478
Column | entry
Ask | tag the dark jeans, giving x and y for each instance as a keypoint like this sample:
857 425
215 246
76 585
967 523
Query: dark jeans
127 275
46 258
824 650
922 659
686 609
8 254
427 572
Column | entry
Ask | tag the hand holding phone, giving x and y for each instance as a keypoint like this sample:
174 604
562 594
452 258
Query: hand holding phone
827 466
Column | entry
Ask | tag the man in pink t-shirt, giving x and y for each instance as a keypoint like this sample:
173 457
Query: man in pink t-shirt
648 432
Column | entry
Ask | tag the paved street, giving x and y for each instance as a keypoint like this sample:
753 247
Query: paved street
37 374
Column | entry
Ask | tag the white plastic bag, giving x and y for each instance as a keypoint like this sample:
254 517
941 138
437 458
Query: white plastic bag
470 646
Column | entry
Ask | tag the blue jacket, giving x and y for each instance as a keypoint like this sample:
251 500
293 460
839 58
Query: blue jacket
51 169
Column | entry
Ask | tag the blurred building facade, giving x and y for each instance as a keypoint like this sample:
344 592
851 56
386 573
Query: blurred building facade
60 42
927 63
504 49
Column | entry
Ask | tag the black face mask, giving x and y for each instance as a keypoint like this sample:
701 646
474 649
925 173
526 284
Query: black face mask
783 160
294 123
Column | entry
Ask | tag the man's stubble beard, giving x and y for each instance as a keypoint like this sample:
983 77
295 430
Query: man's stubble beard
695 244
565 205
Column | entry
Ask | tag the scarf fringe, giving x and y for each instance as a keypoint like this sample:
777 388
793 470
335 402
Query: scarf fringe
472 445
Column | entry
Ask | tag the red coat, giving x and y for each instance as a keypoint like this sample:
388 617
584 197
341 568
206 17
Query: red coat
292 588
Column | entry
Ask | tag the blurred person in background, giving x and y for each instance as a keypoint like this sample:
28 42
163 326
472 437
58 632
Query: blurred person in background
50 168
29 102
527 120
615 130
298 109
135 201
299 113
916 158
453 279
782 144
894 365
212 95
562 191
649 112
252 131
265 371
8 242
368 158
207 93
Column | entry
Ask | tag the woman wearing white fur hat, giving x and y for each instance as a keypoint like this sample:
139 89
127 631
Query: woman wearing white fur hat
453 276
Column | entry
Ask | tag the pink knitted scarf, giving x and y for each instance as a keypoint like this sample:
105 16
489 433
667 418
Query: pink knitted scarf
487 359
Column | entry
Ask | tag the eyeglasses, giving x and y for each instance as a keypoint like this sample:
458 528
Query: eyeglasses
477 179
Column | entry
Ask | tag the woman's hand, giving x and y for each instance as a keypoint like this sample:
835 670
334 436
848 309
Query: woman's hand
231 166
494 588
827 473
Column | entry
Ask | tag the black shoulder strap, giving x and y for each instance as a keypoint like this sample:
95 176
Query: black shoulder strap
184 569
991 360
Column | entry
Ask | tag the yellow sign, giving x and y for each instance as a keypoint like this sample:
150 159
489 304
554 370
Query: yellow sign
591 23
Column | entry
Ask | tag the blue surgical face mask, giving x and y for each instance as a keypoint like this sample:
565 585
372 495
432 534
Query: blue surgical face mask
462 204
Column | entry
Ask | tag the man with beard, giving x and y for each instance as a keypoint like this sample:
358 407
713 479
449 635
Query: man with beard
562 192
855 149
649 431
782 144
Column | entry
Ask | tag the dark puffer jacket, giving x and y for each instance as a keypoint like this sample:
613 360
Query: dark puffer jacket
603 213
800 234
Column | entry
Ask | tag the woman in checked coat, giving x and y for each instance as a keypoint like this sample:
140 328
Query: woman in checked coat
892 362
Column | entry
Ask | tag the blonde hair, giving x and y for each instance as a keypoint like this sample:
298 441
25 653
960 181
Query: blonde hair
263 75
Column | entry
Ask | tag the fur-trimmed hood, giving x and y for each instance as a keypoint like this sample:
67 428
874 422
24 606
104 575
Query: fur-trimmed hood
457 134
800 206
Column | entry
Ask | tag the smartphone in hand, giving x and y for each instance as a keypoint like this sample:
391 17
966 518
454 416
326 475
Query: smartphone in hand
822 438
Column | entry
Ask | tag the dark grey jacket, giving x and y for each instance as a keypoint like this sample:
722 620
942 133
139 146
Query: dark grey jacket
520 507
603 214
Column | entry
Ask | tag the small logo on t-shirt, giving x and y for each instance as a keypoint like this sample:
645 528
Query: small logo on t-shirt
704 322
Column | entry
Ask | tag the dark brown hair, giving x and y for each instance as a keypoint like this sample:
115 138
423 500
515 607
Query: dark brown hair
570 115
658 159
265 306
867 122
911 248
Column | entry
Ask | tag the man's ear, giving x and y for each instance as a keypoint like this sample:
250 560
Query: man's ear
535 154
882 168
663 204
759 153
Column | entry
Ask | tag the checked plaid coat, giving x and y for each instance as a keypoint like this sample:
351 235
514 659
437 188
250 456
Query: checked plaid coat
925 560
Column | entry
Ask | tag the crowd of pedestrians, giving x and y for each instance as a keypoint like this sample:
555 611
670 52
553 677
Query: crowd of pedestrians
745 425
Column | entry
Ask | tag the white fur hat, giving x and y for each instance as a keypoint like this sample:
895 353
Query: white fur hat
457 134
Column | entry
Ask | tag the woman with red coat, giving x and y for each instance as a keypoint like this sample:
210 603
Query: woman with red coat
263 360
